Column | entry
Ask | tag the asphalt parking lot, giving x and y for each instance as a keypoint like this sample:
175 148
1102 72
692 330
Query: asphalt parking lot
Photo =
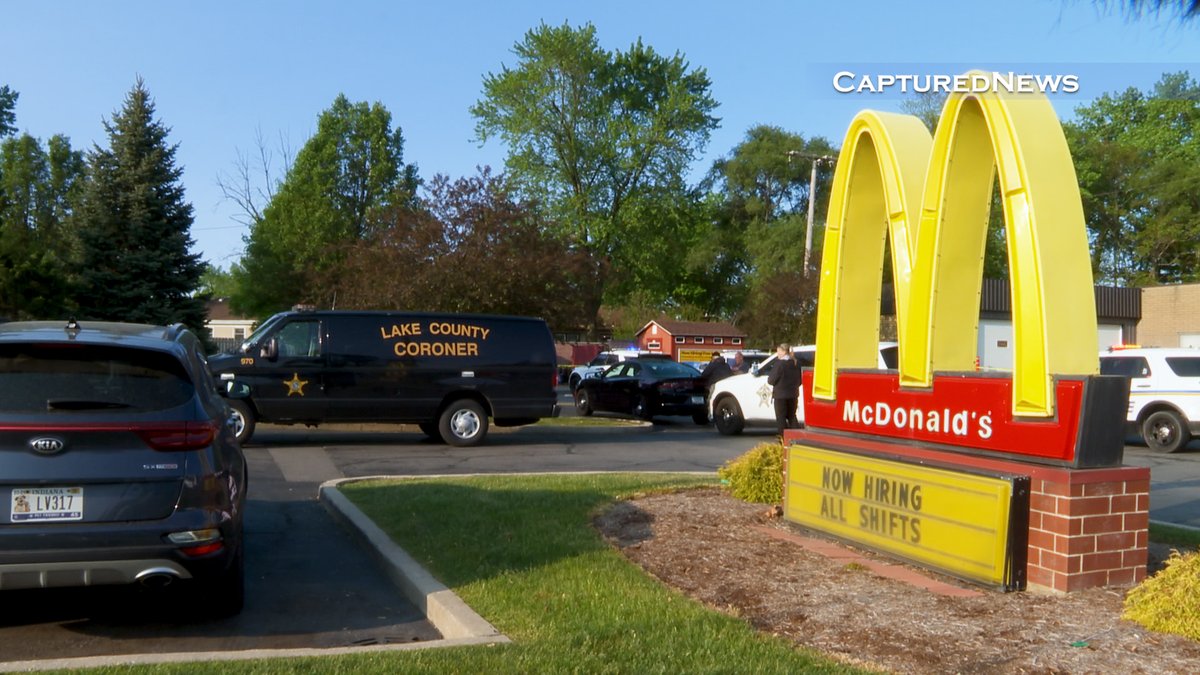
310 585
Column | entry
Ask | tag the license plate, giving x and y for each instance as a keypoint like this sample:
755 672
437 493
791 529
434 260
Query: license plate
46 504
697 399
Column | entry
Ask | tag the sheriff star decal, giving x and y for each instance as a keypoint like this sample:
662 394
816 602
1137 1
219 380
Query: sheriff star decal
295 385
764 395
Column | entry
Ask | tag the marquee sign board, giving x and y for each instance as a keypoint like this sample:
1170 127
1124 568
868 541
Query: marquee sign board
969 525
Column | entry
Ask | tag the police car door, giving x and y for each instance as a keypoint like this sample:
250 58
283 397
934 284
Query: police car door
288 383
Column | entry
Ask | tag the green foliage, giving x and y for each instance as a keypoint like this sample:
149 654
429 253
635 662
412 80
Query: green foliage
40 185
218 283
763 191
351 168
1137 156
1169 601
428 257
134 224
601 139
756 476
8 116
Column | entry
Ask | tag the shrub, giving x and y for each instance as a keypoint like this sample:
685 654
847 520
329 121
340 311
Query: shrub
1169 602
757 475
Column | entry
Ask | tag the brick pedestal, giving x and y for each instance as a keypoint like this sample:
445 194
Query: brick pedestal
1087 527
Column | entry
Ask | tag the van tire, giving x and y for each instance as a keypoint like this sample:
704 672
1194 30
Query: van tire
463 423
243 420
728 417
1165 431
431 430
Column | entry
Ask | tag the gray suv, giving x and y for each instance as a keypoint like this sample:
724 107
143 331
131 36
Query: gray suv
118 464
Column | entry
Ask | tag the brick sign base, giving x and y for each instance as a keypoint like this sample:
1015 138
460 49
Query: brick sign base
1087 527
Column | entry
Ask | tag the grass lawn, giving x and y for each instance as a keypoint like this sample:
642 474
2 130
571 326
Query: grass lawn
1174 536
520 550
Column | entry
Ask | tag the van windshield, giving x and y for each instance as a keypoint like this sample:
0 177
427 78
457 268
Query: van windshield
263 329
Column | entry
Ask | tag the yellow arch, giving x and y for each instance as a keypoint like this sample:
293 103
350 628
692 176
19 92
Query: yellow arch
931 198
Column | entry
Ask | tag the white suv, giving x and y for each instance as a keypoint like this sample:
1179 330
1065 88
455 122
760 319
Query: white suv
745 400
605 359
1164 393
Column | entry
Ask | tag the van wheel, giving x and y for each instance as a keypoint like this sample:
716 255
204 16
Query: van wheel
243 420
583 402
728 417
1165 431
463 423
700 418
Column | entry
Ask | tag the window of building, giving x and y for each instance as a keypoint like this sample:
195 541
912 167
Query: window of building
698 340
718 341
737 341
680 340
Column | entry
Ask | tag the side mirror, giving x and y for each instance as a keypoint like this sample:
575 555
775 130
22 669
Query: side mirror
235 389
754 370
270 350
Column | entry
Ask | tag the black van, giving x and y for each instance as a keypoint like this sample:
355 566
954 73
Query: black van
448 373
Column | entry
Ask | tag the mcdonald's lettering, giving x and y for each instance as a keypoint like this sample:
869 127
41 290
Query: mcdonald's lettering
929 198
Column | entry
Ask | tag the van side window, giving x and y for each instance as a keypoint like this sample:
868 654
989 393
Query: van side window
1127 367
300 338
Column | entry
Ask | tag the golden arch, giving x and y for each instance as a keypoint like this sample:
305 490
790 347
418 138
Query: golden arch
931 198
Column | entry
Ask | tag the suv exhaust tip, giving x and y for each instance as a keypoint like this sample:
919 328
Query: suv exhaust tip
156 577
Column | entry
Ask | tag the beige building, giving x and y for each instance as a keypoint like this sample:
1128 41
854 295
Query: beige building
223 324
1170 316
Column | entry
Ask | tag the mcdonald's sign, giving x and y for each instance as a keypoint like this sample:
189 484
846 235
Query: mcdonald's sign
929 198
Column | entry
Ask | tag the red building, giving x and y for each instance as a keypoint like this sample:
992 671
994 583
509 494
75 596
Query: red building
689 341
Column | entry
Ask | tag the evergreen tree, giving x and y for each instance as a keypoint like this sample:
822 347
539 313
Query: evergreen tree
134 226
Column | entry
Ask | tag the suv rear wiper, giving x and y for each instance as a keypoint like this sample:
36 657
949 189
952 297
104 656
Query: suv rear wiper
74 404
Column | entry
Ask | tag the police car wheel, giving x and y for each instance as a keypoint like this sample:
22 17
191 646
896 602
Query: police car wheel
728 417
242 419
583 402
463 423
1165 431
575 379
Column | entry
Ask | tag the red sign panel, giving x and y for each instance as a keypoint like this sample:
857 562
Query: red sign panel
967 411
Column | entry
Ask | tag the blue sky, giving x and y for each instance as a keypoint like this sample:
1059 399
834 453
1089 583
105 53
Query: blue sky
220 72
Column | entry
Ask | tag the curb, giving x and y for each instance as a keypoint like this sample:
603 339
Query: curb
453 618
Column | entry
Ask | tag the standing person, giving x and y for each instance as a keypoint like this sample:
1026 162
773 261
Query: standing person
739 365
785 388
716 370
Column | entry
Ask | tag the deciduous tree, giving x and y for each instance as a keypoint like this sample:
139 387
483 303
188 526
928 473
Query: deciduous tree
350 168
469 246
591 134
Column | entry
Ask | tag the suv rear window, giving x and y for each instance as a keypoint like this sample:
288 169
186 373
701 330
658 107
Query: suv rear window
1185 366
81 377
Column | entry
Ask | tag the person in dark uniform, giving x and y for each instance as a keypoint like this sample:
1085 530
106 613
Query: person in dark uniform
716 370
785 388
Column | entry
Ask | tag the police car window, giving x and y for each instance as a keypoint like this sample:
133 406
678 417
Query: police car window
300 338
1185 366
891 356
1125 366
632 368
805 359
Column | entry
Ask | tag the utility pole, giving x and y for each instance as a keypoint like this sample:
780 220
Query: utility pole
812 201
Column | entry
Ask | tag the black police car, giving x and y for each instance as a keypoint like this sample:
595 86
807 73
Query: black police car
448 373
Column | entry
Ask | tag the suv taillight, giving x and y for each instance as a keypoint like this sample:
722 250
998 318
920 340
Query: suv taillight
178 436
